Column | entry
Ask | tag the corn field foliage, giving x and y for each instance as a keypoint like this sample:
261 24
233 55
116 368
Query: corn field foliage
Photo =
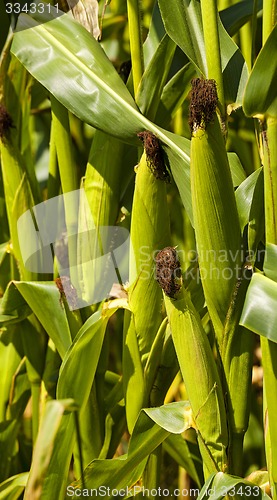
138 249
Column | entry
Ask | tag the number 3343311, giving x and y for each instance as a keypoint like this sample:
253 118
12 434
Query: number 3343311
32 8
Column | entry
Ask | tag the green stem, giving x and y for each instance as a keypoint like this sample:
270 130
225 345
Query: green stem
254 32
152 474
224 4
62 139
68 175
53 185
154 359
269 17
212 45
246 43
78 456
269 349
134 17
237 359
35 389
269 138
269 357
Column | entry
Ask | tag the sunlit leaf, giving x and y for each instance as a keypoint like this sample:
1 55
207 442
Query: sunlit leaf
270 261
154 78
74 382
260 93
51 420
12 488
75 70
183 24
126 470
237 171
236 15
218 486
43 300
245 195
260 312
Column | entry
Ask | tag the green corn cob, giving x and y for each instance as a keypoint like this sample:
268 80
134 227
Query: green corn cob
221 256
149 233
197 364
215 214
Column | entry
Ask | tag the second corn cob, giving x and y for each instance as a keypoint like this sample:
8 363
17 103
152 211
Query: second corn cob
196 362
215 213
149 233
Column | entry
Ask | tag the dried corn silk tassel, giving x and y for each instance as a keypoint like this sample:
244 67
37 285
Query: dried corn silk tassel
154 155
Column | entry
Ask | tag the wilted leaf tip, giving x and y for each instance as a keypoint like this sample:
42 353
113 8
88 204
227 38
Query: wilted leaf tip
154 155
67 291
168 271
203 103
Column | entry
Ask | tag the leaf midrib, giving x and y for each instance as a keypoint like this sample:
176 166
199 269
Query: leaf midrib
45 34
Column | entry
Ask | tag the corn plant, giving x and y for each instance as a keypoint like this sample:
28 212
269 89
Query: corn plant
138 249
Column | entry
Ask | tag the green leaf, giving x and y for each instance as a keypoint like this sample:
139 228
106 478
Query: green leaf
174 93
85 350
125 471
18 195
105 176
74 61
168 418
218 486
12 488
270 261
10 426
154 78
133 379
235 16
259 477
183 24
155 34
260 312
10 357
256 218
56 478
179 450
250 204
180 168
237 171
245 196
43 299
164 371
154 359
13 307
260 93
85 346
16 89
49 426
